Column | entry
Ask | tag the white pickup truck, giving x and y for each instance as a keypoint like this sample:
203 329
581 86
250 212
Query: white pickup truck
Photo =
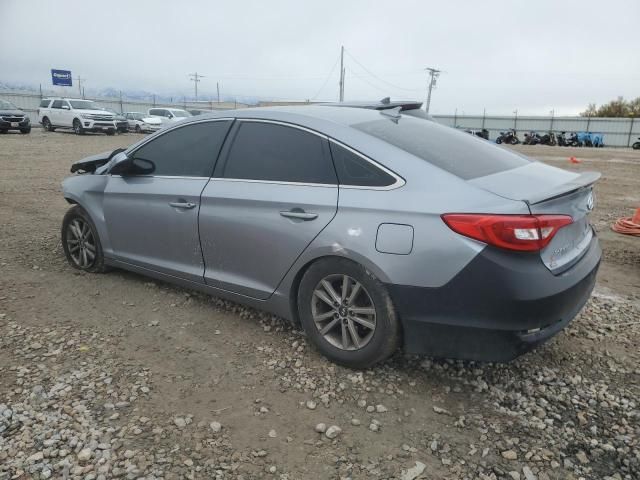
81 115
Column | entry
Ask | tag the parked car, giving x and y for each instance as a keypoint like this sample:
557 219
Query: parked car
139 122
168 115
369 228
79 114
122 125
12 118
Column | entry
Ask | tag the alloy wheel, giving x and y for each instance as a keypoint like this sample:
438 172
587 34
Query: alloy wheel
81 243
343 312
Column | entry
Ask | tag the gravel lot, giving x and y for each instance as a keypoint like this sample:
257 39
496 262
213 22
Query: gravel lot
117 376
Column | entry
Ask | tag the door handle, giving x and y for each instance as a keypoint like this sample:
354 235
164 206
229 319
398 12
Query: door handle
299 214
186 205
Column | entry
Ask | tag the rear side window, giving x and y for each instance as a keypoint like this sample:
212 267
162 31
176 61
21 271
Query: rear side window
189 151
44 103
456 152
354 170
273 152
153 111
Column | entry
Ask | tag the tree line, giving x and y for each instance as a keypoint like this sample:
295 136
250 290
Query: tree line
615 108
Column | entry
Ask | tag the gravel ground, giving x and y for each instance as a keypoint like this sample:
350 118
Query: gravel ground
116 376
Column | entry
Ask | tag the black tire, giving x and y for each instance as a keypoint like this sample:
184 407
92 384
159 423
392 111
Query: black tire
3 131
77 127
385 338
138 129
46 125
79 215
636 146
111 132
499 140
25 130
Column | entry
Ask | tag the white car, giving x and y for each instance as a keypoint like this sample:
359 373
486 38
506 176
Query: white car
81 115
139 122
169 115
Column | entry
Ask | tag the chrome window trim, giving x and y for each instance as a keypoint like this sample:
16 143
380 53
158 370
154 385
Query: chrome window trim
135 147
175 177
399 181
285 124
274 182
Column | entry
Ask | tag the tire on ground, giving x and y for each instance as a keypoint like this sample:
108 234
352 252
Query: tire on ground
386 337
74 212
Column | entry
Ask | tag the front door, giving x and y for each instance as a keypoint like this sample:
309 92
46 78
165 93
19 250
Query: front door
152 219
274 191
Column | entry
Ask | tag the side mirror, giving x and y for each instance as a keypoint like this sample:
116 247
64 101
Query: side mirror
123 165
170 116
65 107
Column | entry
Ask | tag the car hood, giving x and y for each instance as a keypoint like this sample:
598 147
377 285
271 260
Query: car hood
92 162
93 112
11 112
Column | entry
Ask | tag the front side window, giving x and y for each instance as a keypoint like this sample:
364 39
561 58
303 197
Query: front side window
180 113
189 151
354 170
273 152
57 104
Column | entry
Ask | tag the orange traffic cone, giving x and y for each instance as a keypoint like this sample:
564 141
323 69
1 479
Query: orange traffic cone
636 217
574 160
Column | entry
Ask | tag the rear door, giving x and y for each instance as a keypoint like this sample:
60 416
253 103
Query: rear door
273 192
152 219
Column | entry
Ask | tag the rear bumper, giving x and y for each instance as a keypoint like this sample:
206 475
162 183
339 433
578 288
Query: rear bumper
503 304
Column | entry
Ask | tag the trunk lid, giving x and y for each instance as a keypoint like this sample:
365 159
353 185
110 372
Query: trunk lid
549 190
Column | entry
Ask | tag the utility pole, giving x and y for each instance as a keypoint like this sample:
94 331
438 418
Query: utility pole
342 73
218 89
434 73
195 78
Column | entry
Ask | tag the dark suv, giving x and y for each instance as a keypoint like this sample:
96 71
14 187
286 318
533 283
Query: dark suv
12 118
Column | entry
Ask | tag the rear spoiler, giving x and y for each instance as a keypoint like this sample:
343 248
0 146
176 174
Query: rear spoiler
583 181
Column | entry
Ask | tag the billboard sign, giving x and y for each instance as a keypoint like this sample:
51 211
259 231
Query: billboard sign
61 77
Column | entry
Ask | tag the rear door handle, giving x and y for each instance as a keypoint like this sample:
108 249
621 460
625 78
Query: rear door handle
299 214
186 205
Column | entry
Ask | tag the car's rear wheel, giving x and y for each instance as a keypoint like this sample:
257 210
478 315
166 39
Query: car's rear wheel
347 313
138 129
80 241
77 127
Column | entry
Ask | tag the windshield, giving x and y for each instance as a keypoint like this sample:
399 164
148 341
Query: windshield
84 105
4 105
137 116
180 113
456 152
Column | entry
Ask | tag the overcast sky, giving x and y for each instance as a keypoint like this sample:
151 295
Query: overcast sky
499 55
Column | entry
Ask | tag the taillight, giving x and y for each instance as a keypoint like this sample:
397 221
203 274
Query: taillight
527 233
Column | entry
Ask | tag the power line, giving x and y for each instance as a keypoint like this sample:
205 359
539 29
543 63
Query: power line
326 80
380 79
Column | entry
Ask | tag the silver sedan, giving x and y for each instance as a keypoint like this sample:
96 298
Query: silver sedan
372 229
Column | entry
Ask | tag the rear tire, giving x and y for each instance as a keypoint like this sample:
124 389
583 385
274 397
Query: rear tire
360 328
138 129
77 127
636 146
81 243
111 132
498 140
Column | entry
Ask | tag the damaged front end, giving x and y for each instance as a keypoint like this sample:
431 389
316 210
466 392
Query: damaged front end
91 163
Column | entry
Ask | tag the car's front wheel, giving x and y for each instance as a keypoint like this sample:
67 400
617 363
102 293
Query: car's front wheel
77 127
347 313
80 241
138 129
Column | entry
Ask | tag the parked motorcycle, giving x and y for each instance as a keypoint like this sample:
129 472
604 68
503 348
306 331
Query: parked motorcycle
570 140
509 137
531 138
636 145
548 139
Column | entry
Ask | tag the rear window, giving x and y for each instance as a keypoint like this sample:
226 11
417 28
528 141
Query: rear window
456 152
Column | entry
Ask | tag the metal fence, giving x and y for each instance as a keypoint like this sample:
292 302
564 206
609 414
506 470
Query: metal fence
29 102
618 132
